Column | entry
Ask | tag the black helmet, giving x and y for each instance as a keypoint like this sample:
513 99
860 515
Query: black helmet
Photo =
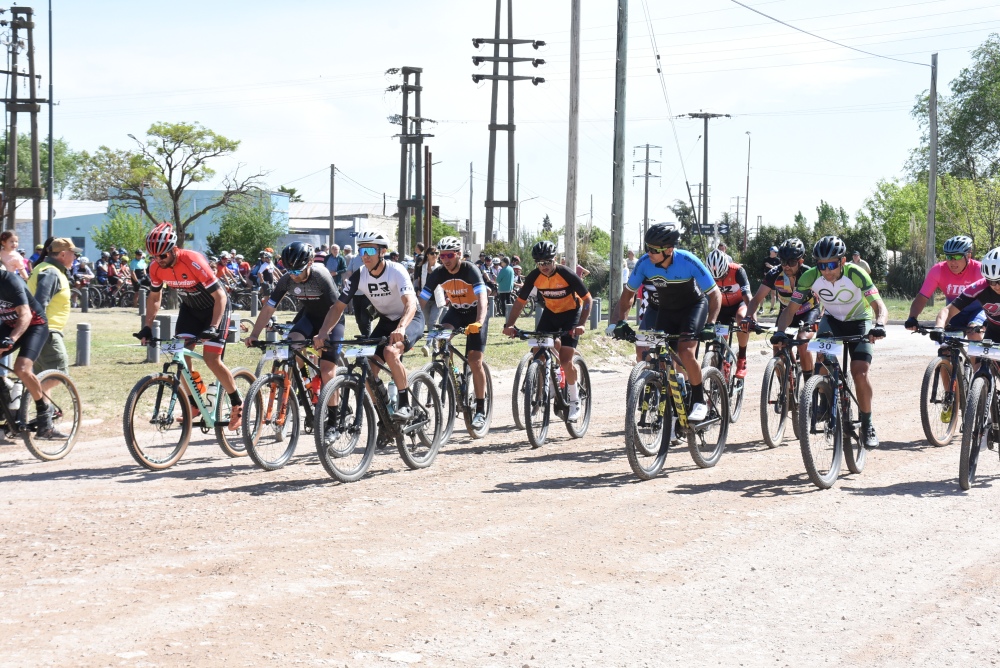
662 235
791 249
829 246
543 250
297 255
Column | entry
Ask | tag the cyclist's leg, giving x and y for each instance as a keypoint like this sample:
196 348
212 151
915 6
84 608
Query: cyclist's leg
743 338
806 359
648 321
475 347
688 322
392 354
29 347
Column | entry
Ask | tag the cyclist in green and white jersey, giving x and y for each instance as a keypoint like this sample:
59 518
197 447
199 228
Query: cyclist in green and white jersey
851 302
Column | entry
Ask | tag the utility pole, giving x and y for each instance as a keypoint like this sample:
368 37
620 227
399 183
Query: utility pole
408 139
573 160
511 202
646 176
468 223
618 168
22 19
517 211
333 179
52 162
746 200
931 251
428 222
704 202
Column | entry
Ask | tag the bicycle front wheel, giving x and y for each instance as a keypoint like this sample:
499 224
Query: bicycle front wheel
939 403
774 400
975 431
517 390
61 393
579 428
345 431
157 422
231 440
536 403
271 422
647 430
820 432
707 439
422 432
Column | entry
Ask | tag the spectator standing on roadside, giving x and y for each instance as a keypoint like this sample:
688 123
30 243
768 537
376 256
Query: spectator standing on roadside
50 284
432 312
336 265
630 261
360 302
505 285
418 262
856 260
36 255
580 271
770 262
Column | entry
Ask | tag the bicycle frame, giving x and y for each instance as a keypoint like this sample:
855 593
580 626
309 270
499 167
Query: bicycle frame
552 364
179 359
666 365
842 394
445 352
293 380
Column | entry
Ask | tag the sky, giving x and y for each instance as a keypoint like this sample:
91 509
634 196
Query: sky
303 85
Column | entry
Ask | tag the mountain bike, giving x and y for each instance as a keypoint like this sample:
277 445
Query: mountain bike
347 434
981 424
943 393
779 391
272 420
719 355
826 414
158 414
455 385
16 402
658 405
542 397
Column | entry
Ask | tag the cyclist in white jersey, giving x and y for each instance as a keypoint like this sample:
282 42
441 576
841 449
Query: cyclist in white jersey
388 287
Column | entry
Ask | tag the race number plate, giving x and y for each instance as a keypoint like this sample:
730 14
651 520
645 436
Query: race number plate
979 350
276 353
722 330
827 347
547 342
360 351
439 334
171 347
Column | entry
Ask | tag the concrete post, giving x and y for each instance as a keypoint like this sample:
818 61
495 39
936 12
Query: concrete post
142 303
490 305
595 314
153 350
254 302
84 300
83 344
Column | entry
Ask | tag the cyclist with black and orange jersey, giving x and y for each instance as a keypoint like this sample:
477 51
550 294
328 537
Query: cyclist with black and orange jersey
465 291
734 286
565 309
204 310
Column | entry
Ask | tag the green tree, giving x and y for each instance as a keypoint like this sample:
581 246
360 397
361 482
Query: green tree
546 223
123 229
65 164
893 205
99 172
293 193
438 230
173 158
691 237
248 224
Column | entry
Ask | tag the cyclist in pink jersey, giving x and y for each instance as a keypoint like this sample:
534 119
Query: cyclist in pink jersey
952 277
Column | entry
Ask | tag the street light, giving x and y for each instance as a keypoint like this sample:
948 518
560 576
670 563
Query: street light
517 215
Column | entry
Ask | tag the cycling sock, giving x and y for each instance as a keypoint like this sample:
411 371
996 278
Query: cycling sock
480 405
404 398
866 419
41 406
574 392
234 399
743 353
806 375
698 394
332 415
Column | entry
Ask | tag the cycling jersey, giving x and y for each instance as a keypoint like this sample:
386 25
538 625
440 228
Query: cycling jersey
563 291
315 296
190 276
982 294
681 285
848 298
649 294
784 286
940 277
734 285
384 291
461 288
14 293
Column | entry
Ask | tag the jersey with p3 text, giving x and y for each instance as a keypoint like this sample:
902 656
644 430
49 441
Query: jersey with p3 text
384 291
848 298
190 275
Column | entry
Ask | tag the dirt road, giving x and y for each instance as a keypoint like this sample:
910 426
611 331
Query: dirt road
500 555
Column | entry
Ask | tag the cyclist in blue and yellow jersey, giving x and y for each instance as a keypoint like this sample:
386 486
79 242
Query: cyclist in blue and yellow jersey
851 302
689 301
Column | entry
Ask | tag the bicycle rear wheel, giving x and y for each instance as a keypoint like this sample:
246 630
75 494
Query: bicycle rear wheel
647 431
157 422
579 428
774 400
517 390
536 403
345 432
855 454
231 440
441 376
422 432
975 431
61 393
271 422
820 432
939 405
707 439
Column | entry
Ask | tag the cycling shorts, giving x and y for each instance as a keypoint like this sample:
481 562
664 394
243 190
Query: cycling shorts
308 326
31 342
386 326
859 351
462 317
809 317
965 319
729 314
192 322
648 320
689 321
560 322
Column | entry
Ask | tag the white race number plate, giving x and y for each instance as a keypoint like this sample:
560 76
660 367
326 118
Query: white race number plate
547 342
979 350
827 347
171 347
360 351
276 353
722 330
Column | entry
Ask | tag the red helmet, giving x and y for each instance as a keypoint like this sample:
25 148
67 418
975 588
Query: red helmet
161 239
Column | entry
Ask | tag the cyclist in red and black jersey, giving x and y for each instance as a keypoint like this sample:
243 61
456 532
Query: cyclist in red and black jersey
204 310
735 288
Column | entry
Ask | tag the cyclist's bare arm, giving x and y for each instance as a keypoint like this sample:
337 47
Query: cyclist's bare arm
625 303
917 307
263 318
945 316
757 300
153 299
714 304
331 319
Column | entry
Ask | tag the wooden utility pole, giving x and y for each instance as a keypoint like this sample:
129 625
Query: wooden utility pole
574 133
930 253
618 169
408 138
468 223
429 218
333 177
52 163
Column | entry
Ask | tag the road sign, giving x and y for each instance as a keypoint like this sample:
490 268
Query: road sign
723 228
706 229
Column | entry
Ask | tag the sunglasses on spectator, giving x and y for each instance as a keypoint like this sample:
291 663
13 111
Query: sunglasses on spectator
828 266
956 256
368 250
657 249
447 255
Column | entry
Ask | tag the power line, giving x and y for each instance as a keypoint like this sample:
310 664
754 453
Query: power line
768 16
305 177
360 185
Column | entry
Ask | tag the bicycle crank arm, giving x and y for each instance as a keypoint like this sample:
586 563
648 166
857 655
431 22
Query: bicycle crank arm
410 428
706 424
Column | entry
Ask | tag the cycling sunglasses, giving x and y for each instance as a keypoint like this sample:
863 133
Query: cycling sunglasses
447 255
163 256
368 250
296 272
997 282
657 249
828 266
545 263
793 263
955 256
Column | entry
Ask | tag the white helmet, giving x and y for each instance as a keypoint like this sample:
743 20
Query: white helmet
372 237
450 244
718 263
990 266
